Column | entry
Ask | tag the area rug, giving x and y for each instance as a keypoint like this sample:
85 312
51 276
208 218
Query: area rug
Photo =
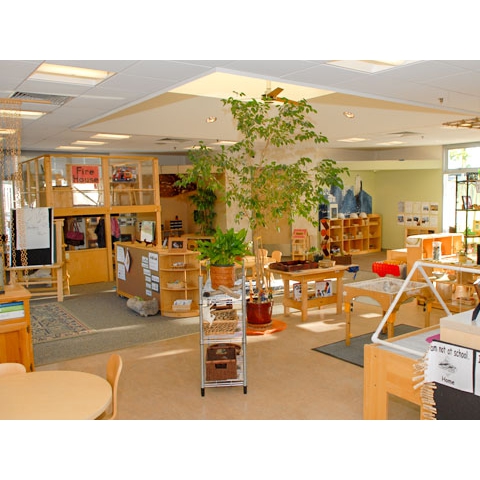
51 321
354 352
277 326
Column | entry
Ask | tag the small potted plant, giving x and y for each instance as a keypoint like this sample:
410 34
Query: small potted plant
222 251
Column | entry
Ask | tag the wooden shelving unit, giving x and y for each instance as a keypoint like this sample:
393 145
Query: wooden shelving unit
300 244
351 236
179 273
16 333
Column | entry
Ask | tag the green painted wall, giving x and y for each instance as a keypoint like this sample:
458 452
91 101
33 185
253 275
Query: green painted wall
388 187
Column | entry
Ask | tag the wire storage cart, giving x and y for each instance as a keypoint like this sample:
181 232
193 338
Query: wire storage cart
223 338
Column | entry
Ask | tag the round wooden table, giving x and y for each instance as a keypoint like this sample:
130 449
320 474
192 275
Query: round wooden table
53 395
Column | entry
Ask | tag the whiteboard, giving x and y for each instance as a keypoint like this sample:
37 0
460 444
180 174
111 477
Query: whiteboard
34 233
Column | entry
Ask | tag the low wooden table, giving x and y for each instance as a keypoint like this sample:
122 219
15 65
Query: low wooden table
384 291
53 395
311 275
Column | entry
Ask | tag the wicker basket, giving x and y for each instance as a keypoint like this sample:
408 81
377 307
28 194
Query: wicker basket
224 323
221 362
326 263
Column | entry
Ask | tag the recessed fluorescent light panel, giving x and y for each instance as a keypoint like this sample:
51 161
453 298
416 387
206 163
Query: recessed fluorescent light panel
111 136
7 131
27 114
195 147
370 66
87 142
393 142
50 72
69 147
353 140
224 142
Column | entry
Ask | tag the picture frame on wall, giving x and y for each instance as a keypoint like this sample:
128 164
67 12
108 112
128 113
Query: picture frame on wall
177 244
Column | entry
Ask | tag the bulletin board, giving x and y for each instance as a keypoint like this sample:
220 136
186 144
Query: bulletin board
33 232
137 271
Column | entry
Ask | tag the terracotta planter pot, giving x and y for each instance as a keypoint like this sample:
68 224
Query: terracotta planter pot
259 313
222 276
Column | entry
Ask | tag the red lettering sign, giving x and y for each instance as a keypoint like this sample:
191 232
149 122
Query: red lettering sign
85 174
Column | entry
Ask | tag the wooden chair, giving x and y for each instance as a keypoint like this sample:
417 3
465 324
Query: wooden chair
114 368
11 369
277 255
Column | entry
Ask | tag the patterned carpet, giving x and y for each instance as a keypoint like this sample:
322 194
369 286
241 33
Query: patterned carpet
52 322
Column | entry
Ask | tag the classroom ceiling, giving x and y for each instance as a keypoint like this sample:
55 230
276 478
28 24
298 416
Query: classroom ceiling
163 105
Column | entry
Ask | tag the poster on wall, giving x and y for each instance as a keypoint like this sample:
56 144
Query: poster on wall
417 214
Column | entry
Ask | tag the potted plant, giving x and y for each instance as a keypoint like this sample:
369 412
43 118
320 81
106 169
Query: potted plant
222 251
261 179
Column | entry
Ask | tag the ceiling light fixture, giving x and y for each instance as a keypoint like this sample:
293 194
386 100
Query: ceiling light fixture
224 142
349 114
353 140
69 147
393 142
470 123
370 66
112 136
196 147
87 142
27 114
50 72
7 131
211 119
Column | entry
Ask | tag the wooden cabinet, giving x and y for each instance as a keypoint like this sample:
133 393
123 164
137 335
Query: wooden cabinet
414 230
420 247
351 236
16 333
179 275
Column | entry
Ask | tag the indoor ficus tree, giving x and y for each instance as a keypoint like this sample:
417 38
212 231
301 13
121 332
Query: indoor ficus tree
262 187
263 179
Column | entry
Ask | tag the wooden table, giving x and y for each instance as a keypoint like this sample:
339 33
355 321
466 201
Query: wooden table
53 395
384 291
311 275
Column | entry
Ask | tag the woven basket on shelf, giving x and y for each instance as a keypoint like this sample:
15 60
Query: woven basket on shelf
224 323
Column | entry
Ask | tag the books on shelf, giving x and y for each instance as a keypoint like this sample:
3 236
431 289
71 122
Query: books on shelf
8 307
11 310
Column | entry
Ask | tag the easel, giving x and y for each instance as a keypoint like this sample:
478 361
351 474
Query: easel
56 278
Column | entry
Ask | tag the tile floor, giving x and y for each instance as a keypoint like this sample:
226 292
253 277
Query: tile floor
286 378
